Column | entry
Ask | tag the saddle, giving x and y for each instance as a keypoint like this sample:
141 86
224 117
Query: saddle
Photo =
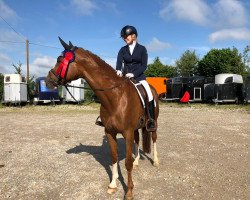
144 99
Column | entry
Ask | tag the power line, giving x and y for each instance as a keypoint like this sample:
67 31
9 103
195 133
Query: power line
32 43
13 28
43 45
11 41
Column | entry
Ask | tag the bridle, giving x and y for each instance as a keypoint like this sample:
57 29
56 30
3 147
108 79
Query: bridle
60 74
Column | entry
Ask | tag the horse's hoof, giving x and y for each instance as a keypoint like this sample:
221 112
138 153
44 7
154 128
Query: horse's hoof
111 190
135 166
129 196
156 164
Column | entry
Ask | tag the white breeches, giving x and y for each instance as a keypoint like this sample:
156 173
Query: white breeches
147 88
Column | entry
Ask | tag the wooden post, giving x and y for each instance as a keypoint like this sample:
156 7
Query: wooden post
27 60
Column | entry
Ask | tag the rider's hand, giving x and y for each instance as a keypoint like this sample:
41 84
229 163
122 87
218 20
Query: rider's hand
129 75
119 73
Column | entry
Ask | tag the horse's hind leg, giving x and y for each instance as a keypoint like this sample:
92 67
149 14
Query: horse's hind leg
155 154
114 157
137 152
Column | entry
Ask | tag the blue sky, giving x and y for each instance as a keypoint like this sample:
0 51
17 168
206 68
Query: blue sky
166 27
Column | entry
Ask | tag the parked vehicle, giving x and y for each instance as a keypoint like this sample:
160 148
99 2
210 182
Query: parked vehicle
44 94
228 88
76 90
176 87
196 86
15 89
159 83
220 89
247 90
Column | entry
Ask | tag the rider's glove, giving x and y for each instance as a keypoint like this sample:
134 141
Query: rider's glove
119 73
129 75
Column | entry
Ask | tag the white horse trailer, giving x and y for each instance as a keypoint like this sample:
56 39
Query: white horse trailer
15 89
76 89
228 88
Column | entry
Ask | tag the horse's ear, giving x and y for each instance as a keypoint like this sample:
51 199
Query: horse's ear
64 44
70 44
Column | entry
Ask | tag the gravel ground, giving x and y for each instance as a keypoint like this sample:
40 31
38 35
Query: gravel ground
57 152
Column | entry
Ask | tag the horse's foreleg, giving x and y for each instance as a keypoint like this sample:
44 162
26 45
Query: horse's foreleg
155 154
137 152
129 137
114 157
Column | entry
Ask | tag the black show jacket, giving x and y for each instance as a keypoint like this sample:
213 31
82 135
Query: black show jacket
135 63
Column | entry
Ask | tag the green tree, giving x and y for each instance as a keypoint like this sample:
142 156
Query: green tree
187 64
30 82
246 59
218 61
18 68
157 69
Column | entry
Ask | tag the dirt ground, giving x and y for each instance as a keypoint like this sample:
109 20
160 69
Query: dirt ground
57 152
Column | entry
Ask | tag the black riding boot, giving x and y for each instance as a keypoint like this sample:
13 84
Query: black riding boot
151 123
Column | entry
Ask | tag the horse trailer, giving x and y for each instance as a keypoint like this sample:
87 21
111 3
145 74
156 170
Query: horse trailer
159 83
176 87
247 90
196 86
15 89
76 89
228 88
43 94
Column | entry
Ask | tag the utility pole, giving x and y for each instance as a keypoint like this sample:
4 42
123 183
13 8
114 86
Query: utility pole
27 60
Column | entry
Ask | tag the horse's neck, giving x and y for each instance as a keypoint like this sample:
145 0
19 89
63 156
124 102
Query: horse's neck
100 76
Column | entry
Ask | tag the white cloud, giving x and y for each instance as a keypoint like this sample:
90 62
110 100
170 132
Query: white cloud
229 13
224 34
41 65
7 12
227 17
9 39
4 58
195 11
157 45
223 13
4 62
84 7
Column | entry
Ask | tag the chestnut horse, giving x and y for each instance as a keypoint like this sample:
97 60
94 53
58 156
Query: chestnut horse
121 110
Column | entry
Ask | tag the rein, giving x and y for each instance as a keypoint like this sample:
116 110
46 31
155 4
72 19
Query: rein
87 88
68 56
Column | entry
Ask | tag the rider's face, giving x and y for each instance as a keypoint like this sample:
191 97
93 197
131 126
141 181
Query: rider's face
129 39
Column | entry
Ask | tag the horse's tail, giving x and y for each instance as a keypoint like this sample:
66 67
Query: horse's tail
146 140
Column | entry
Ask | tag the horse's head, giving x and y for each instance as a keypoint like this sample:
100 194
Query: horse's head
65 69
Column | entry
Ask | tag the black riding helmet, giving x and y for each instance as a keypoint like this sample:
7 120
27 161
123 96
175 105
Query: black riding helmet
128 30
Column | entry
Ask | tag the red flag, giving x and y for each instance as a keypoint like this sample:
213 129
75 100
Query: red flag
185 98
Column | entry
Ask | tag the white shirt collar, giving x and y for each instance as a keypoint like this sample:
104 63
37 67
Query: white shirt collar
131 47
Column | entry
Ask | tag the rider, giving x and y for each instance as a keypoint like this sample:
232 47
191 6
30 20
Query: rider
132 62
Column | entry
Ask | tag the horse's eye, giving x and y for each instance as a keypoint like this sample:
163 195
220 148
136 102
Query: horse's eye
59 59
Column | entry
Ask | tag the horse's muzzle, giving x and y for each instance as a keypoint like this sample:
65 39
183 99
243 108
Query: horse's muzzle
51 83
